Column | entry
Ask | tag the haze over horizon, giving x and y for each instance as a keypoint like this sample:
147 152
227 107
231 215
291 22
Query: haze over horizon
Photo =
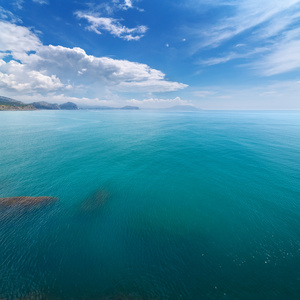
222 54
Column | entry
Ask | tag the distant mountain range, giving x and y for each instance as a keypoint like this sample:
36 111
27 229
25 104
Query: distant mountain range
12 104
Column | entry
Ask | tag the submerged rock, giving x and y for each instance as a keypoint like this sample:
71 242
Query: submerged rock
26 201
94 201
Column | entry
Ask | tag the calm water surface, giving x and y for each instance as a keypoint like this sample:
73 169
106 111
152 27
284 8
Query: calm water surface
152 205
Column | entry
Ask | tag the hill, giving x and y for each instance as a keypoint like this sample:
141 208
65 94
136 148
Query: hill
68 106
12 104
44 105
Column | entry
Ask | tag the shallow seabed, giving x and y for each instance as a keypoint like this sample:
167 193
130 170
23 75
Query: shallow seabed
152 205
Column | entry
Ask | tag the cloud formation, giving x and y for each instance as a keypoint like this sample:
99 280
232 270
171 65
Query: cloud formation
112 26
28 66
17 40
17 76
99 17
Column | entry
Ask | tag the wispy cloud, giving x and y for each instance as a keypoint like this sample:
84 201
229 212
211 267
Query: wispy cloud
18 3
266 27
41 1
112 26
232 55
283 57
8 16
246 15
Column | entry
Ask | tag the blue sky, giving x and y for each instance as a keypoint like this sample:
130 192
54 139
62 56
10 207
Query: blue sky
221 54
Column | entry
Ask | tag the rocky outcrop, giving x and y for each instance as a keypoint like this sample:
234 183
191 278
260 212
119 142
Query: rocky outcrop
94 201
26 201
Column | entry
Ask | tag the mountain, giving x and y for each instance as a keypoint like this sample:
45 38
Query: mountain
12 104
44 105
68 106
50 106
9 100
183 108
128 107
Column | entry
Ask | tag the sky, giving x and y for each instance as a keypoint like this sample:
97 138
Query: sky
213 54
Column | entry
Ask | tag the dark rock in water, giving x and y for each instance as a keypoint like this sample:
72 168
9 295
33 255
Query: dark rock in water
95 201
25 201
68 106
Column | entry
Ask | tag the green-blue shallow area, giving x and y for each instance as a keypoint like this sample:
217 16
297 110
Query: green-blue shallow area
152 205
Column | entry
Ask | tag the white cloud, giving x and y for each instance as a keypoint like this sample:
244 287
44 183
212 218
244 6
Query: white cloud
36 67
151 85
157 102
128 4
17 76
119 5
41 1
17 39
113 26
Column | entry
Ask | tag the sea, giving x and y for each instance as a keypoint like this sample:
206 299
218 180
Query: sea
151 205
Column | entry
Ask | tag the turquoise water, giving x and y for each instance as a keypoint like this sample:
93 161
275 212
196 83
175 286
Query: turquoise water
152 205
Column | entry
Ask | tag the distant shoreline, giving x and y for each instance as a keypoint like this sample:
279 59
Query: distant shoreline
8 104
